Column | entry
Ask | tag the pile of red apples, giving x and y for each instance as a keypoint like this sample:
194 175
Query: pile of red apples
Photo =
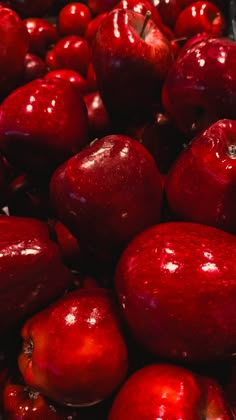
118 210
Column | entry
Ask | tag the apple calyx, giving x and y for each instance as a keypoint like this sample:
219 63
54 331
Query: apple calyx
32 394
232 151
146 20
28 348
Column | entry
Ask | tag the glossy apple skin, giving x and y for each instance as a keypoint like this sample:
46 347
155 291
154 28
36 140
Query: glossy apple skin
73 19
93 26
169 10
171 392
79 331
14 42
42 124
200 16
201 185
77 81
104 215
176 283
98 118
29 8
130 70
91 78
42 35
34 68
200 87
71 52
22 402
32 274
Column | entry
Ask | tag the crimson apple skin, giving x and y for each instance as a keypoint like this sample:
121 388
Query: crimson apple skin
200 16
200 87
71 52
93 26
104 215
171 392
34 68
14 42
42 124
78 81
73 19
91 78
98 118
32 274
169 10
201 184
130 69
80 331
176 283
42 35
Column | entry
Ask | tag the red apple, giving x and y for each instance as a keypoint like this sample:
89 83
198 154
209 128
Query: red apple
34 68
73 351
68 245
176 283
200 87
72 76
29 8
73 19
108 193
201 185
169 10
91 78
93 26
41 124
32 274
42 34
164 391
98 118
14 43
200 16
131 58
100 6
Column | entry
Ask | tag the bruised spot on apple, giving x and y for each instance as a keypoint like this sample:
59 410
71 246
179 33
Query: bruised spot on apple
176 283
130 68
107 193
201 185
74 351
164 391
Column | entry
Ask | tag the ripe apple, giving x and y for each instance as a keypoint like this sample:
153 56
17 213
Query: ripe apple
108 193
93 26
73 19
169 10
34 68
42 34
73 351
176 283
72 76
14 42
201 185
98 119
68 244
32 274
42 124
200 16
164 391
131 58
200 87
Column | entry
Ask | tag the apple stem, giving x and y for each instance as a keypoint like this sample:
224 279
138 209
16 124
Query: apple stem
147 17
232 151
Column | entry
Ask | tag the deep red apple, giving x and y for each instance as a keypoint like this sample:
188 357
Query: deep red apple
14 42
68 245
164 391
73 19
42 35
200 16
200 87
93 26
168 10
108 193
91 78
131 58
77 81
34 68
73 351
29 8
176 283
23 402
201 185
71 52
42 124
98 118
32 274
